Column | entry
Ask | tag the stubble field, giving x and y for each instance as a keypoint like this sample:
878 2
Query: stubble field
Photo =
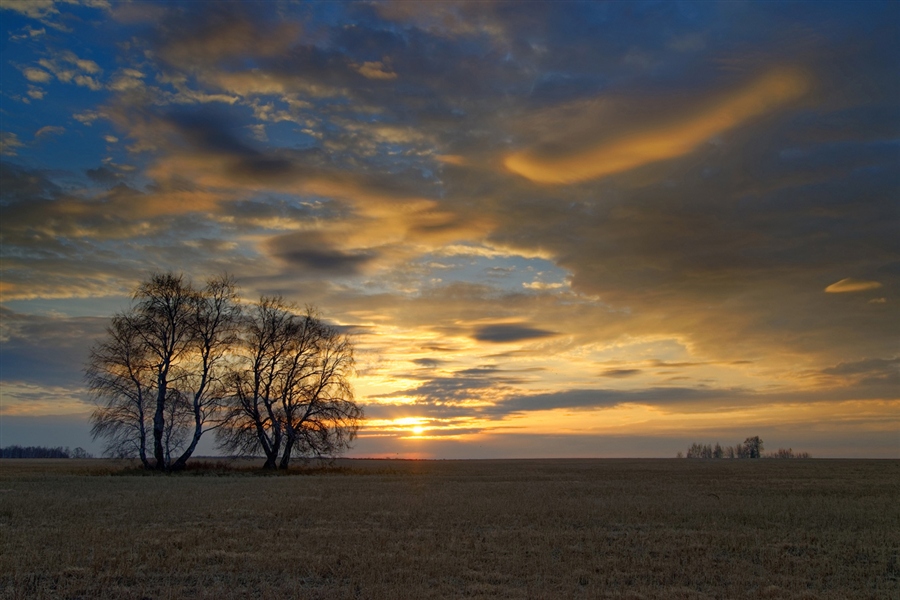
449 529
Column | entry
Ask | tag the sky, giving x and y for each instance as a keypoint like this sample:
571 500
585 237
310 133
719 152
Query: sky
568 229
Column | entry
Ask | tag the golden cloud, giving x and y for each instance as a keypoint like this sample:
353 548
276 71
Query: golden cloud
252 83
8 143
384 224
49 130
677 137
451 159
375 70
852 285
36 75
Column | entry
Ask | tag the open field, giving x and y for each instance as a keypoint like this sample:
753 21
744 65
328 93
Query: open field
444 529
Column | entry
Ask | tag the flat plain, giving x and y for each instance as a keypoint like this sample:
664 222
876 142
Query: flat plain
452 529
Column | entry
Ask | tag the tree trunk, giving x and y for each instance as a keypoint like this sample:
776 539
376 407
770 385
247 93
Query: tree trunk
288 448
269 448
142 449
181 463
159 426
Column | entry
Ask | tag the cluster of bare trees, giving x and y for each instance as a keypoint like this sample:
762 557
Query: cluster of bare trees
184 361
43 452
787 453
751 448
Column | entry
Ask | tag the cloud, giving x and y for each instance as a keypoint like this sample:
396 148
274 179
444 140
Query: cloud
450 19
620 373
27 344
69 68
868 371
131 13
49 130
375 70
671 138
222 32
307 250
509 332
85 65
541 285
103 175
28 32
588 398
89 116
66 234
37 75
687 400
9 143
852 285
380 219
428 363
208 133
461 392
36 9
35 204
127 80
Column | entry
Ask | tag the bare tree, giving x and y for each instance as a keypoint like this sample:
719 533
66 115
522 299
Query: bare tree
80 452
321 418
213 324
119 374
291 394
258 381
162 323
161 369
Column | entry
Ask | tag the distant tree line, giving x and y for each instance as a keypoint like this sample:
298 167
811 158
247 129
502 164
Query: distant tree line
751 448
42 452
266 377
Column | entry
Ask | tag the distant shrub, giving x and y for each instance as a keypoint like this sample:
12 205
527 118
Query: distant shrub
787 453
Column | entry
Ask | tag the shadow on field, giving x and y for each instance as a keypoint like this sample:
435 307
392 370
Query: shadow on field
241 467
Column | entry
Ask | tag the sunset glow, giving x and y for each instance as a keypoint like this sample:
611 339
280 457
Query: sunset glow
551 229
665 141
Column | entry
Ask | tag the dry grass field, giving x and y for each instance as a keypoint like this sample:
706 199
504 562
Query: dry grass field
475 529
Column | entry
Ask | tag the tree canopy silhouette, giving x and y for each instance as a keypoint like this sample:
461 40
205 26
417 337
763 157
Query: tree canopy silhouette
292 395
183 361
